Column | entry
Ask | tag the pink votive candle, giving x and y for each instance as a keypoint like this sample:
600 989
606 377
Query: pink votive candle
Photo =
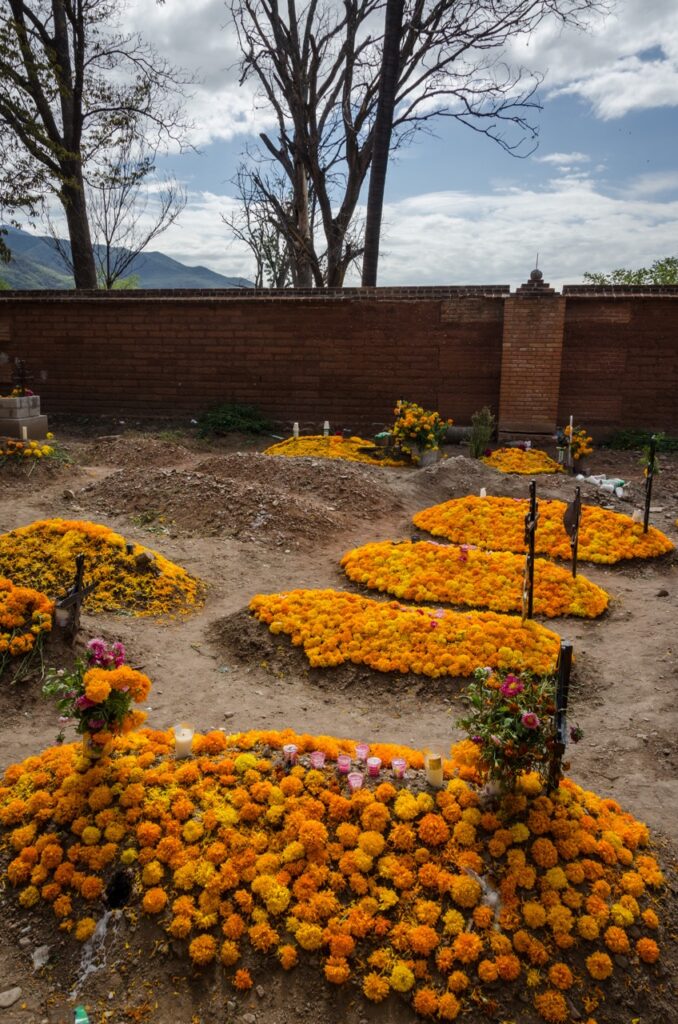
317 758
398 764
373 766
361 751
355 781
290 753
343 764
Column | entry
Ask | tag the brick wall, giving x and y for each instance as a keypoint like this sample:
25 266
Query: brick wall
345 356
608 356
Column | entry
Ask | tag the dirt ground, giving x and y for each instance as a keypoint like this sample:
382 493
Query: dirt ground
247 524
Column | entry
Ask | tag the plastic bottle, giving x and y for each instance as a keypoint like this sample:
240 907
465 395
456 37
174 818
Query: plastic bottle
81 1016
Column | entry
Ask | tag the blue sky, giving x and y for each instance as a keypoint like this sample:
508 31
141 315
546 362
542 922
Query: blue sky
601 191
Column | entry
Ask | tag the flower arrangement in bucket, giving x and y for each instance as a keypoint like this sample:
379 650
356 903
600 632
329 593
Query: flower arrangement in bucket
417 430
97 696
511 720
582 442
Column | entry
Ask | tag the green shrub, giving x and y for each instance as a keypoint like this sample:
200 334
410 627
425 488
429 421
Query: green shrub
482 431
628 440
233 418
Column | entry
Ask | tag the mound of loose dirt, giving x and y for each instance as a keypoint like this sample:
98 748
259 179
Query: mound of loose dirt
248 497
131 452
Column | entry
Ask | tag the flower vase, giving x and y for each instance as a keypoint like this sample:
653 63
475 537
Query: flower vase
90 749
425 456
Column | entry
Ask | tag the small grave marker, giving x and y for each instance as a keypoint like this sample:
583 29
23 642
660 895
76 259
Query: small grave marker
571 521
560 717
70 605
649 475
531 520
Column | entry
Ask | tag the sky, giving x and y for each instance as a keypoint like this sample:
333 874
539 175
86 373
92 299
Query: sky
601 190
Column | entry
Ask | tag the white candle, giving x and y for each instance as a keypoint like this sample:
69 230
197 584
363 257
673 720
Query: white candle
183 740
483 492
295 429
434 770
24 433
326 427
61 617
637 515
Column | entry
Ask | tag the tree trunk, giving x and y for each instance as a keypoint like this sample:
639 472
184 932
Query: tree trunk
303 277
383 126
75 208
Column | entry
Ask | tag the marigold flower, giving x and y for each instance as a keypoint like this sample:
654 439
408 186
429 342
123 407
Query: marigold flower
599 966
154 900
203 949
647 950
467 947
551 1006
375 988
242 980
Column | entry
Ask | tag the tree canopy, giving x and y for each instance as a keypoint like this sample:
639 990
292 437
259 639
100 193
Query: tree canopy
662 271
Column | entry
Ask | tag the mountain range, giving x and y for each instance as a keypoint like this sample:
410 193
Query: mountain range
36 263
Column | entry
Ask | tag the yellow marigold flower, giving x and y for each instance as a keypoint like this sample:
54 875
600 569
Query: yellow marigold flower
599 966
453 922
621 915
29 896
192 831
402 978
203 949
90 835
309 936
534 914
375 988
588 927
465 891
406 807
84 929
555 878
152 873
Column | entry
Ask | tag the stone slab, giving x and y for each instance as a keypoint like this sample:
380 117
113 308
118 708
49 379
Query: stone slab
36 426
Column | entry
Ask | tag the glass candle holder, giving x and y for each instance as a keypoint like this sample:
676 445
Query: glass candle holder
361 751
434 769
317 758
399 766
183 740
290 753
343 764
373 766
355 781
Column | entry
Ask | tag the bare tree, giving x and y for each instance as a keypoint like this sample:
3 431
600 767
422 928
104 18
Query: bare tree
319 68
72 85
257 223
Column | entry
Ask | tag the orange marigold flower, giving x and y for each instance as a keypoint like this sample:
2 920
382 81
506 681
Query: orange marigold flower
560 975
467 947
599 966
423 939
425 1002
448 1007
337 970
375 988
288 957
616 939
242 980
647 950
487 971
433 830
203 949
508 966
551 1006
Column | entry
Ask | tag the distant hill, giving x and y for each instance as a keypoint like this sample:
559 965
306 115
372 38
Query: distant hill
36 263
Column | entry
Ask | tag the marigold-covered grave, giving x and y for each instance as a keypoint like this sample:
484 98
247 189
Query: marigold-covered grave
334 627
352 449
442 897
426 571
43 553
499 524
519 460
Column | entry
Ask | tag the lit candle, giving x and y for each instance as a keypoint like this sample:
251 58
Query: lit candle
183 740
24 433
373 766
295 429
326 428
398 764
61 617
361 751
317 758
343 764
483 492
434 770
290 753
355 781
637 515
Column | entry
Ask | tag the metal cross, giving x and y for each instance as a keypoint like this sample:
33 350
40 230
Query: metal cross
571 520
652 455
75 597
560 717
531 520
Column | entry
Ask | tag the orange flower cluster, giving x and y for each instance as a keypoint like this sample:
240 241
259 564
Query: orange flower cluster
517 460
316 446
499 524
424 571
25 617
426 894
334 627
43 555
13 452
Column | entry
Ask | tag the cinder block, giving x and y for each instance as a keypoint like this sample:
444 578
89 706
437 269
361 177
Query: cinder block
36 427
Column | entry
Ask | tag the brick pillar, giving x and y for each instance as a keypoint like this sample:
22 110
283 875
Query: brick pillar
534 321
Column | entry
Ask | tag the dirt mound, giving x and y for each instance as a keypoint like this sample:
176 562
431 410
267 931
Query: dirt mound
248 497
131 451
343 485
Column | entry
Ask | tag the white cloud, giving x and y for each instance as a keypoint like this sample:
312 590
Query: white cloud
562 159
653 184
460 238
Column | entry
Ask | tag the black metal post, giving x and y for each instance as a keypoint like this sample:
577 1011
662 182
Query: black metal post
648 481
560 718
530 530
571 521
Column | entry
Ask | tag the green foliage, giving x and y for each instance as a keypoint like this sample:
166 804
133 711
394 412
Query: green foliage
4 287
125 284
233 418
632 440
511 719
482 431
664 271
